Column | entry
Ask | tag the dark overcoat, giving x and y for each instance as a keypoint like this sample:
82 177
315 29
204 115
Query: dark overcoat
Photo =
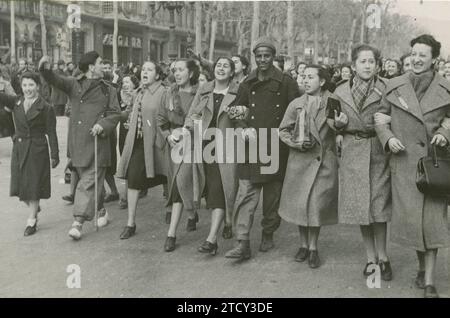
93 101
418 221
267 102
30 162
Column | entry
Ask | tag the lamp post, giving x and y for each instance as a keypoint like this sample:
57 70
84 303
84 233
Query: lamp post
172 6
188 42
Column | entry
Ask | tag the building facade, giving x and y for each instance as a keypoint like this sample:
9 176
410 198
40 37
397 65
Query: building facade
144 29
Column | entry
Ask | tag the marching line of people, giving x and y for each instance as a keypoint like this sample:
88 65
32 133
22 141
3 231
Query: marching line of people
348 151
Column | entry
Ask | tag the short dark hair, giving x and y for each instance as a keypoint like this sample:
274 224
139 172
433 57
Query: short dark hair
133 79
244 62
106 62
300 63
403 57
68 63
232 66
365 47
323 74
88 59
280 60
429 40
32 76
192 67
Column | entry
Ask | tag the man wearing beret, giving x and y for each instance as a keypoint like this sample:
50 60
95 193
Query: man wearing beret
95 111
266 92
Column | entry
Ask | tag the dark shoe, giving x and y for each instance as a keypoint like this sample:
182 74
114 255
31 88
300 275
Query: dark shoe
128 232
227 232
69 198
302 254
143 193
420 280
266 243
208 247
191 225
314 260
242 251
111 197
430 292
168 217
196 217
386 270
366 272
123 204
30 230
169 246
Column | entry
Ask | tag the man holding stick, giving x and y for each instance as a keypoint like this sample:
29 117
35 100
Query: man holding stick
95 112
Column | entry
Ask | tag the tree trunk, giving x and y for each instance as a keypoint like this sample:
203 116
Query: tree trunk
198 27
363 22
13 33
316 38
207 29
217 12
240 37
290 29
352 36
116 32
43 28
255 29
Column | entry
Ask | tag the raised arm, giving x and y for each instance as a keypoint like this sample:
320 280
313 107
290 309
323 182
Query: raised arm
63 83
8 101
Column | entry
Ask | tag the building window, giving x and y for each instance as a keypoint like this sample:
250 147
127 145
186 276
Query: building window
107 7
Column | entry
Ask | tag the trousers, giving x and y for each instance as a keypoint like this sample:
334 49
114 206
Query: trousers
246 203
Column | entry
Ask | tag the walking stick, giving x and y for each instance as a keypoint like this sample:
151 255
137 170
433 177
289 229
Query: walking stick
96 183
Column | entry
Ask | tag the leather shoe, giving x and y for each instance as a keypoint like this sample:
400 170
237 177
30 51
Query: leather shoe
30 230
128 232
241 251
168 217
314 260
169 246
123 204
208 247
111 197
191 225
266 243
227 232
430 292
302 254
420 280
386 270
366 272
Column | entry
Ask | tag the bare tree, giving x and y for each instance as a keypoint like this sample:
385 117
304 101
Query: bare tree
198 27
116 32
290 29
13 33
255 28
43 28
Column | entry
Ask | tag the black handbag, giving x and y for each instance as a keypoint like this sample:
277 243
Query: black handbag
433 175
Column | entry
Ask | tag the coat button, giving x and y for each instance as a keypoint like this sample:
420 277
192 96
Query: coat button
318 158
79 122
81 102
422 144
253 105
20 139
278 105
253 117
278 93
253 93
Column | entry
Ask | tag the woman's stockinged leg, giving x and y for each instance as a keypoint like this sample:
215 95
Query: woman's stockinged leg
34 208
430 264
421 259
369 242
303 231
217 216
133 197
380 232
313 235
177 209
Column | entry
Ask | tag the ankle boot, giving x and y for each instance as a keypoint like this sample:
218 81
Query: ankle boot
241 251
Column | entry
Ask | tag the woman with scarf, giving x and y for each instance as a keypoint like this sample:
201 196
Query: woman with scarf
210 109
364 175
182 191
34 121
414 116
143 162
308 128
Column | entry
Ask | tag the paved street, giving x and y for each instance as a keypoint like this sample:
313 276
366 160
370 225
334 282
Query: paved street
36 266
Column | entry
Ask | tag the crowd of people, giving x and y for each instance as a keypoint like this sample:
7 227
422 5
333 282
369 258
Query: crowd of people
351 137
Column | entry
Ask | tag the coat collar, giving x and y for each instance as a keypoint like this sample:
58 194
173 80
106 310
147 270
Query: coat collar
152 88
208 90
34 110
272 73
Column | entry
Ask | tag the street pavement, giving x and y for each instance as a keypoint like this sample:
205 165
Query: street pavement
36 266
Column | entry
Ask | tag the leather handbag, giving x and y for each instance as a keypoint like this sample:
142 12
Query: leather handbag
433 175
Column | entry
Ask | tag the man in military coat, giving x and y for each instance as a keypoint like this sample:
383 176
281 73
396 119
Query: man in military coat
266 92
95 111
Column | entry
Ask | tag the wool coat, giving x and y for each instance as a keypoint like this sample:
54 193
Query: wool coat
30 160
203 109
364 174
92 101
418 221
154 144
310 188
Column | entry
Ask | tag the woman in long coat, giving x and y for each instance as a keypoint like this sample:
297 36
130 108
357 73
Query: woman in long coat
310 189
210 109
183 193
34 119
364 175
417 103
143 162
